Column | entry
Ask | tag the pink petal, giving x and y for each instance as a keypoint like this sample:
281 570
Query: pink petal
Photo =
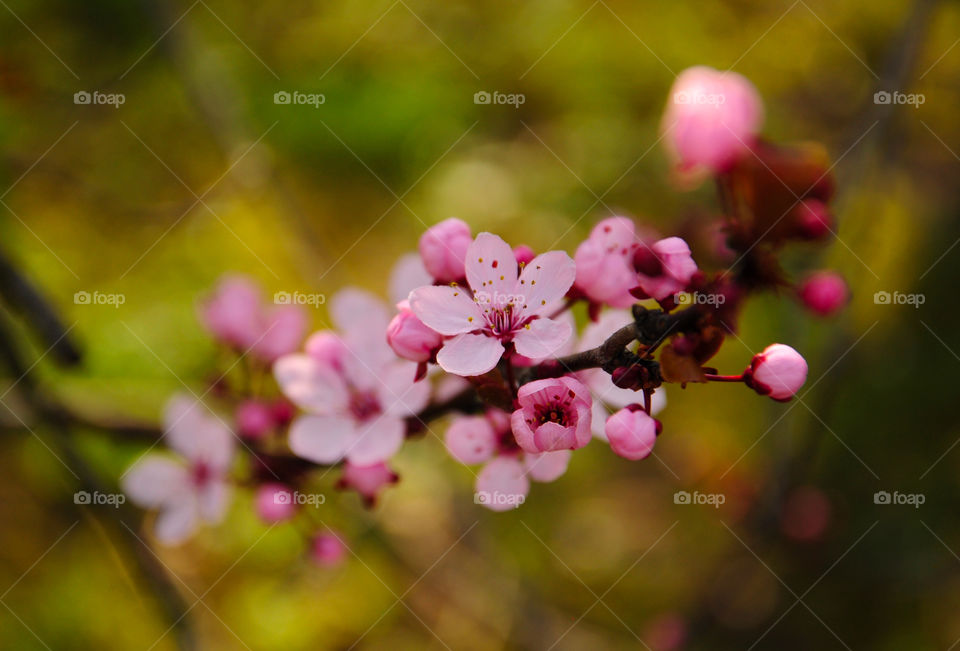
378 440
471 439
545 280
469 355
233 313
213 501
197 433
550 437
491 266
542 337
177 521
448 310
284 332
502 484
547 466
356 309
408 274
399 395
154 480
522 433
310 384
321 439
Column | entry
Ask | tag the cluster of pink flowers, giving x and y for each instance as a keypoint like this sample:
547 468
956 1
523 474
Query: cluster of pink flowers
486 336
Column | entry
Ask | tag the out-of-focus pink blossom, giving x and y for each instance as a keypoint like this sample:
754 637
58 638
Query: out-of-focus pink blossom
524 254
779 372
632 433
443 248
605 272
410 338
274 503
357 400
813 220
824 293
236 314
500 308
254 419
471 439
711 120
368 481
407 274
502 484
327 550
665 268
554 414
806 514
668 632
193 488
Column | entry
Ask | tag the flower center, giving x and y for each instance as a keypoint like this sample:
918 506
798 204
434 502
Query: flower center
201 474
504 320
364 405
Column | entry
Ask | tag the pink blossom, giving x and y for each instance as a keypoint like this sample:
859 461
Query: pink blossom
632 433
254 419
237 316
407 274
824 293
367 480
554 414
327 550
410 338
665 268
471 439
502 484
356 400
274 503
195 486
605 272
443 248
500 309
712 119
779 372
605 393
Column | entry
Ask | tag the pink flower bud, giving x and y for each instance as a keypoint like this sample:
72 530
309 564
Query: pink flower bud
632 433
410 338
233 312
824 293
327 550
779 372
604 262
443 248
712 119
674 265
523 254
554 414
254 419
813 220
367 480
274 503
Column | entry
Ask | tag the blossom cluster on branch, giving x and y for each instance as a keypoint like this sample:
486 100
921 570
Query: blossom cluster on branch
483 335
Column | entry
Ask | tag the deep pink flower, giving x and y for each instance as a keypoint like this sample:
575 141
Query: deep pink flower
357 394
367 480
824 293
779 372
665 268
274 503
498 309
604 262
410 338
254 418
712 119
554 414
443 248
632 433
327 550
190 489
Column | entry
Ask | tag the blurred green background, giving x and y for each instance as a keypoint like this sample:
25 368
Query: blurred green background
200 172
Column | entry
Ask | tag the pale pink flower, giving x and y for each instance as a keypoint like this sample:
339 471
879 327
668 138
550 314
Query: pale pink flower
605 393
712 119
236 314
192 488
499 308
368 481
632 433
554 414
665 268
274 503
443 248
504 481
824 293
357 394
779 372
605 272
327 550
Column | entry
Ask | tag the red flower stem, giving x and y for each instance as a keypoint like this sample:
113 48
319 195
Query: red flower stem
723 378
